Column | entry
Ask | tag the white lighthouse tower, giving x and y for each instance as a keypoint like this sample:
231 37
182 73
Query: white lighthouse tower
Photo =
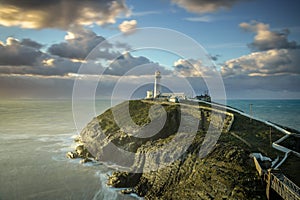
157 88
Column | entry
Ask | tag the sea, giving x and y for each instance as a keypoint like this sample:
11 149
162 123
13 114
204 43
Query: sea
35 136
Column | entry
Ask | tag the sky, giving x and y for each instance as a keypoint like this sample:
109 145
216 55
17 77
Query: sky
249 48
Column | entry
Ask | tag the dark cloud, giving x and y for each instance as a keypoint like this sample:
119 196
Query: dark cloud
80 43
265 39
255 87
278 87
16 86
126 63
60 13
25 58
214 57
205 6
30 43
66 58
19 53
59 67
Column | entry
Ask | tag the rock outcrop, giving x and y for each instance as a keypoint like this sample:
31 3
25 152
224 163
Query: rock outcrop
80 152
180 171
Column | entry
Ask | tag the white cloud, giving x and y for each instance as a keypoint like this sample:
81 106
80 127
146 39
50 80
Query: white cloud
277 56
205 18
271 72
192 68
205 6
265 39
128 26
61 14
145 13
266 63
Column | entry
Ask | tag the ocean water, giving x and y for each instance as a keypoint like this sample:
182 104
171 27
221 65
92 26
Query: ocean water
282 112
35 135
34 138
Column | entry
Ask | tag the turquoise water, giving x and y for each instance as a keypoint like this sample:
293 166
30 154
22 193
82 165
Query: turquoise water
36 134
283 112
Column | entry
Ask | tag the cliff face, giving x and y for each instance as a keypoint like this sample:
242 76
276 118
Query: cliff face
167 165
108 142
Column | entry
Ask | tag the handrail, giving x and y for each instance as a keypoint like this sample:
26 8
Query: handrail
285 188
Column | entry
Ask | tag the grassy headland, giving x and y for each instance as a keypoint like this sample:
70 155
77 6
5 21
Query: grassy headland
227 172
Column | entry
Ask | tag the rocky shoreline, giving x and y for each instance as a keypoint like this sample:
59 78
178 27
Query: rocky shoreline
227 172
80 152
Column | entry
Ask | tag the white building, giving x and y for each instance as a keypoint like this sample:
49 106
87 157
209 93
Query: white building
149 94
156 93
157 87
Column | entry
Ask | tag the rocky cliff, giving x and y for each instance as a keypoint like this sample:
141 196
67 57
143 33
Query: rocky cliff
171 163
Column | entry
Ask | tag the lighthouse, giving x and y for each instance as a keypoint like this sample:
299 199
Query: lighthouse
157 88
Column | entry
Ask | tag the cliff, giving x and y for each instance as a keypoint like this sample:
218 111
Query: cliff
171 164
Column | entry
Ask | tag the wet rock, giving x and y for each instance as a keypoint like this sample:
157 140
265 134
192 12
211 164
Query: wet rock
123 179
80 152
72 155
85 160
127 191
77 139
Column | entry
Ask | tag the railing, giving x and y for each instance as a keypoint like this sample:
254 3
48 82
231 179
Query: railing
284 187
279 183
291 185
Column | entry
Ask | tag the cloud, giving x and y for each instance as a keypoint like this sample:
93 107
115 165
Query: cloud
79 43
127 63
30 43
192 68
271 72
25 57
276 55
270 83
61 14
265 39
128 26
205 6
145 13
267 63
205 18
28 86
258 87
50 67
214 57
19 53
